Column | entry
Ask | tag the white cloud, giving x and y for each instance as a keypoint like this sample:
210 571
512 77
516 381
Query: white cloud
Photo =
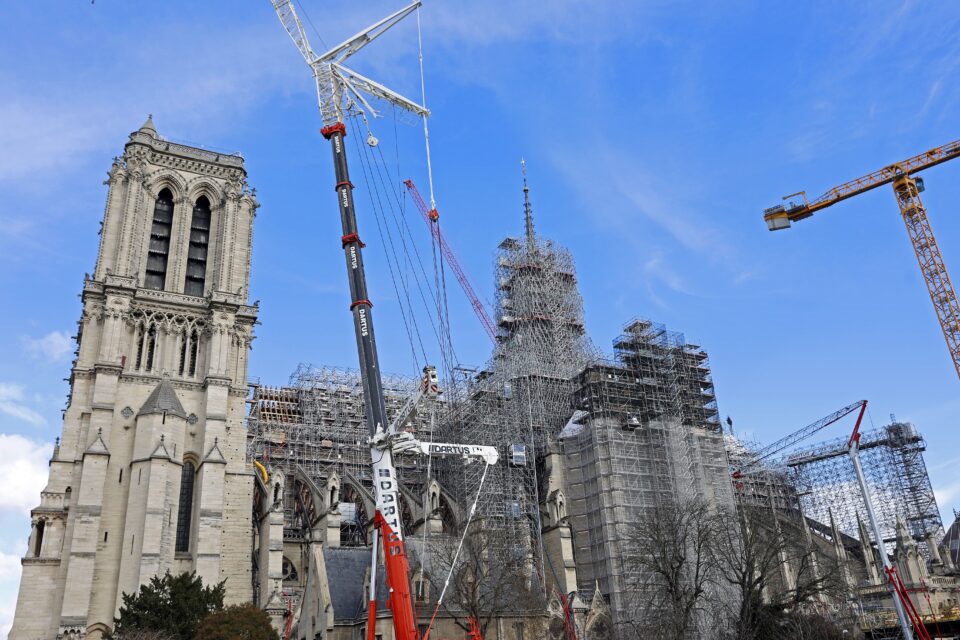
9 567
10 579
52 347
25 473
186 88
11 403
6 617
947 495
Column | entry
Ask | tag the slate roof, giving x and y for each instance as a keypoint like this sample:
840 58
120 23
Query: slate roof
952 540
346 568
163 399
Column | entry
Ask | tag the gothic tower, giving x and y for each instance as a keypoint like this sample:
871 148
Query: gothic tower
150 473
539 307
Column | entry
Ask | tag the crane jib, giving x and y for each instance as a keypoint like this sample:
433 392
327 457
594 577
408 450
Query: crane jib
907 188
880 177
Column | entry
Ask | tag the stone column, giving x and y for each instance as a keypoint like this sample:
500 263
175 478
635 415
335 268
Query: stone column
112 220
208 515
86 535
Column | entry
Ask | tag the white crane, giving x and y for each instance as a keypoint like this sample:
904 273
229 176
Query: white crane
340 90
341 93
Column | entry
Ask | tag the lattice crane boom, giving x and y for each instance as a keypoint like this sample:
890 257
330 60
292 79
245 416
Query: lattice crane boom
291 22
907 189
788 441
780 216
341 93
430 216
340 89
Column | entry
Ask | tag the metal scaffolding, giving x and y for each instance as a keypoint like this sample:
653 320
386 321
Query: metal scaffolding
896 473
317 422
523 398
635 431
646 433
767 485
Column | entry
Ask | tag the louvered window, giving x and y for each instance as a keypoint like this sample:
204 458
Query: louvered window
159 250
197 251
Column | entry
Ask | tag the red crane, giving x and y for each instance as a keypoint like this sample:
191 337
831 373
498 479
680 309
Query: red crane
430 216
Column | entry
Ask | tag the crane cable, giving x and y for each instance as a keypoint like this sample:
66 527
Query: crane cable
423 102
440 283
377 184
373 193
456 555
427 511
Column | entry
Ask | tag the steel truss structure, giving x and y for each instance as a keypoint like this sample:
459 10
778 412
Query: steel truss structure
895 471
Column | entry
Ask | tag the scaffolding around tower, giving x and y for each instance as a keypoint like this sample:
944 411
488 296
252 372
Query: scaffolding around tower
895 471
590 444
645 434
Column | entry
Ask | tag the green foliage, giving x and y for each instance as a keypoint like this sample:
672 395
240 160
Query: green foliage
243 622
174 605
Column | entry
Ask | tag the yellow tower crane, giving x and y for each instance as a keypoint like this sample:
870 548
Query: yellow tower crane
907 188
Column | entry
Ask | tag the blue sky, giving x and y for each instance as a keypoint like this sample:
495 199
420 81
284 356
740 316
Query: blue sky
655 134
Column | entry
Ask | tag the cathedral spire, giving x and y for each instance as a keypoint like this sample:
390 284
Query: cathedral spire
527 209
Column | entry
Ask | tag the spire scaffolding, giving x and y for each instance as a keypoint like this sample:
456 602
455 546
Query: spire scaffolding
527 209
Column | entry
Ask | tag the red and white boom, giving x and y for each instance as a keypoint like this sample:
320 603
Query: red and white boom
341 92
431 216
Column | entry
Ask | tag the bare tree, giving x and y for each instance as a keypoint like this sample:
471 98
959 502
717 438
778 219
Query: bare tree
487 580
672 575
778 575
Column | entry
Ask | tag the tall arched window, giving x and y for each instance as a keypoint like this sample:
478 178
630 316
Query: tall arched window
194 348
185 511
38 541
146 347
156 275
184 339
151 347
197 252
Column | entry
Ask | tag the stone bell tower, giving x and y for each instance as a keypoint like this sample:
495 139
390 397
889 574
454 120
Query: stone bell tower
149 474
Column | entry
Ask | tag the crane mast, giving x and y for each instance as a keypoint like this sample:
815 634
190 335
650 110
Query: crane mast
340 93
386 487
931 263
907 189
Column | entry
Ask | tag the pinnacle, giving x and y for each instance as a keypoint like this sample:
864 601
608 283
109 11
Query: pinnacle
148 127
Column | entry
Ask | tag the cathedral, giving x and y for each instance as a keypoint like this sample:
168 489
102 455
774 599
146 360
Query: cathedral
150 473
161 466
